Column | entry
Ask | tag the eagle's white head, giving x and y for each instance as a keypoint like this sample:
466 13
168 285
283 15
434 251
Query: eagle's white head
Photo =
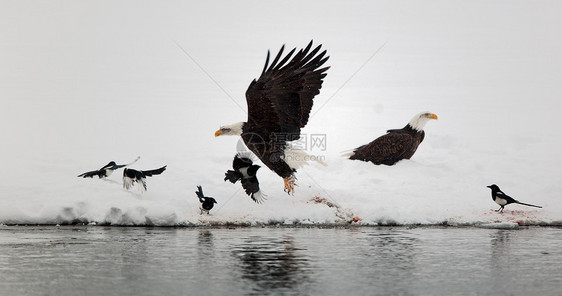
230 130
419 120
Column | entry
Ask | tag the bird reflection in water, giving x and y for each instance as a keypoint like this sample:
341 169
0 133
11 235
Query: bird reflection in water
500 242
205 246
502 260
272 264
501 252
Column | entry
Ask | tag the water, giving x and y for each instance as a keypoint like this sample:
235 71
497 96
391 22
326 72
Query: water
95 260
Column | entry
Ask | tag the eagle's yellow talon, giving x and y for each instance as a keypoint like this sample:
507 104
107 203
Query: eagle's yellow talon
289 185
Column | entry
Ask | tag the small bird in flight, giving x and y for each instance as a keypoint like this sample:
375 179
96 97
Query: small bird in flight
131 176
246 172
207 202
106 170
503 199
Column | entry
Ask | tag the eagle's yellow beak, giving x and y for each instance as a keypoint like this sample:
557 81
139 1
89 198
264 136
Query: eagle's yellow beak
433 116
218 133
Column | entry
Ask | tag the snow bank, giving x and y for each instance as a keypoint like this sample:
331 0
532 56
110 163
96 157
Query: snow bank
78 92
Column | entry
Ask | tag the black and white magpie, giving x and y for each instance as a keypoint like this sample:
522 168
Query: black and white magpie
246 172
106 170
503 199
131 176
207 202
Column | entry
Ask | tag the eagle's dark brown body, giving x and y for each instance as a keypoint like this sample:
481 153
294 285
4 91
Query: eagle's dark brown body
268 151
397 144
388 149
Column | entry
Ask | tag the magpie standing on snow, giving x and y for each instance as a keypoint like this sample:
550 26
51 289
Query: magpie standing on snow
130 177
207 202
106 170
246 172
503 199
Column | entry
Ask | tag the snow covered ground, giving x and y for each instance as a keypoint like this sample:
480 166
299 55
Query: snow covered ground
83 83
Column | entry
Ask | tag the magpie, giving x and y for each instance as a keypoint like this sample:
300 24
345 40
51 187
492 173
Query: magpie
503 199
131 176
106 170
207 202
246 172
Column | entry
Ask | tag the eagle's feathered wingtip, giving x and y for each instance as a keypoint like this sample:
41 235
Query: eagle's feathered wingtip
304 55
266 63
277 57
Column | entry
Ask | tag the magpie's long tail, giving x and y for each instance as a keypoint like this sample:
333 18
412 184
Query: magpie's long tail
232 176
154 172
529 205
199 193
132 162
126 165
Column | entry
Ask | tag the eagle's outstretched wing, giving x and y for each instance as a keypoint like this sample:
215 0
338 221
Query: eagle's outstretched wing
280 100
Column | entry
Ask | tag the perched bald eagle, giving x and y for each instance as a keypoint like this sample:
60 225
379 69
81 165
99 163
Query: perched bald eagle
396 145
279 104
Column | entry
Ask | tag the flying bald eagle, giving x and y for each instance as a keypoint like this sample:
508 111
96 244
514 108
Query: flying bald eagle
279 104
396 145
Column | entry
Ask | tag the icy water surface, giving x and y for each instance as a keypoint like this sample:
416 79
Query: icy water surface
95 260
